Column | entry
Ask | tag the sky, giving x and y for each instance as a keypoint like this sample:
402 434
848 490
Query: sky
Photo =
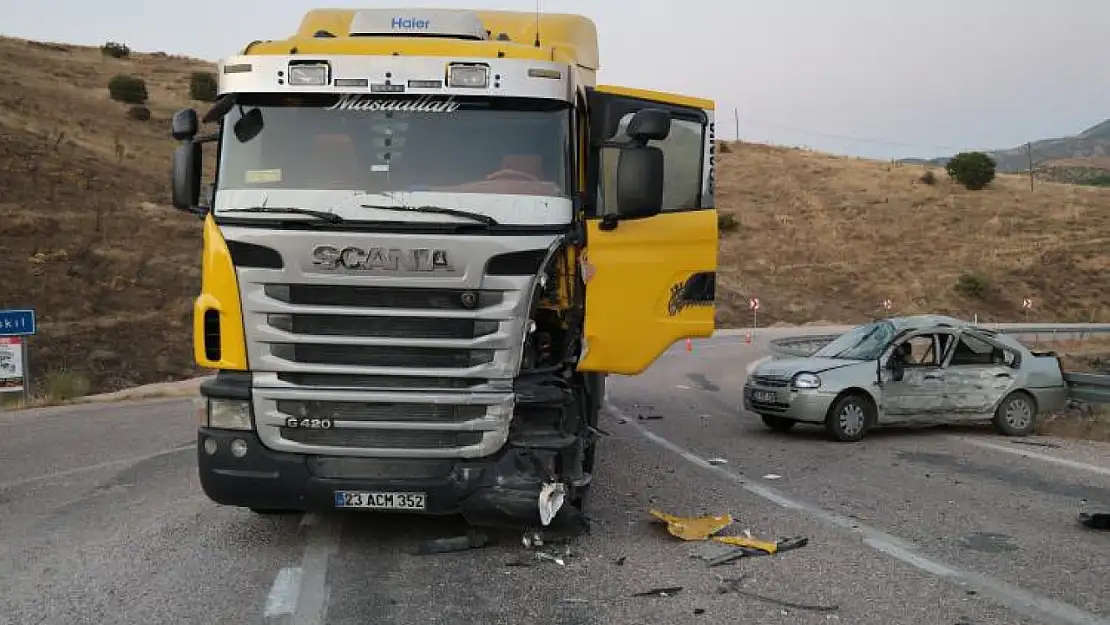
871 78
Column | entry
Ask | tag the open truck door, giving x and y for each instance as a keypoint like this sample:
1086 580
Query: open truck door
650 272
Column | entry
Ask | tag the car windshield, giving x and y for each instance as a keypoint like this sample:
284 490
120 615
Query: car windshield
865 342
377 145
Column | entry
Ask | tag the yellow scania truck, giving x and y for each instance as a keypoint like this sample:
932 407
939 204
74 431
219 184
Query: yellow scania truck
428 238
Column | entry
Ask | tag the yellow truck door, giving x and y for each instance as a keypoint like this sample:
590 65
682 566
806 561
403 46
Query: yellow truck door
650 281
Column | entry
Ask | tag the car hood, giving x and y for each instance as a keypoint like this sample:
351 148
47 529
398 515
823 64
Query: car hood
788 367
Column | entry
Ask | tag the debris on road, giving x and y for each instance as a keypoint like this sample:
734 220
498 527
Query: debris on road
772 476
693 528
1095 520
551 499
472 540
621 560
668 591
651 417
732 585
716 461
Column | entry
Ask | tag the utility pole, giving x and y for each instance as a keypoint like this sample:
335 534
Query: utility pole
1029 153
736 116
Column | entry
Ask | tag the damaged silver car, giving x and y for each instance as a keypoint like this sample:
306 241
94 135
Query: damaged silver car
919 370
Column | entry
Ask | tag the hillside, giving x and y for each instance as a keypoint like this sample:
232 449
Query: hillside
93 245
88 238
830 238
1087 150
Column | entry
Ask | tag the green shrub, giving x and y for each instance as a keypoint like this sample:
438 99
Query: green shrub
116 50
972 285
974 170
128 89
203 86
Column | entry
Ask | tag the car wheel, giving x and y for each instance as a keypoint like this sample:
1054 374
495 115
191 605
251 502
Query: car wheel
850 418
1016 415
778 424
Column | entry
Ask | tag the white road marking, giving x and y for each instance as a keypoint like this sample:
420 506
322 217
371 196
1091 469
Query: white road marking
282 599
312 598
1044 609
1082 466
93 467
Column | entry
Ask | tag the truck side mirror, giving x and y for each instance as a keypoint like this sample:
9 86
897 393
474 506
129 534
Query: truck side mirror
185 125
639 182
649 125
186 178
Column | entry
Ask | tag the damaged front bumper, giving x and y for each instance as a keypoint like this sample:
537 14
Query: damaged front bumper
502 490
804 405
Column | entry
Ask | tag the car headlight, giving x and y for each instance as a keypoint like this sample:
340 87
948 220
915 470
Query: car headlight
806 380
229 414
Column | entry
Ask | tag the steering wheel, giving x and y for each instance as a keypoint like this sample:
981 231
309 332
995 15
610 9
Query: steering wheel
514 174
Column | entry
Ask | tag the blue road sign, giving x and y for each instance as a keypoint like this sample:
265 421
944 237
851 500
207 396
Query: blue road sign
17 322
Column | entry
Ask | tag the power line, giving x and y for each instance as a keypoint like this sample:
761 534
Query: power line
841 137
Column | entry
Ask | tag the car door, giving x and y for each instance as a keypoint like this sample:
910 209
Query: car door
978 373
649 281
923 390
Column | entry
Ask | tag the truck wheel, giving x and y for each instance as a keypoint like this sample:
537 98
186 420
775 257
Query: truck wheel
1016 415
778 424
850 418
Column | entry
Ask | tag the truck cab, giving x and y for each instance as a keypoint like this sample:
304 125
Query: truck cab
428 237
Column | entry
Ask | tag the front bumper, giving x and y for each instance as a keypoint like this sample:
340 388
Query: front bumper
810 406
500 490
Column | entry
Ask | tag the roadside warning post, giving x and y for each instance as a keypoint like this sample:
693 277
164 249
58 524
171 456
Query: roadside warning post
15 376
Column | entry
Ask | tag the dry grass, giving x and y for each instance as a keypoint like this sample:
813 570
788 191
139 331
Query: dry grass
825 237
89 239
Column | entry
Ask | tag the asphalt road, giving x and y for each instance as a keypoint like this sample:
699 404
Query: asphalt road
102 521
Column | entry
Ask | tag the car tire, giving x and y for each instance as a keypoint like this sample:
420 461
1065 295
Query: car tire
778 424
1016 415
850 418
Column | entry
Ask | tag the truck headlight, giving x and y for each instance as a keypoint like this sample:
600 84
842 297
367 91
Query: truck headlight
468 76
229 414
806 380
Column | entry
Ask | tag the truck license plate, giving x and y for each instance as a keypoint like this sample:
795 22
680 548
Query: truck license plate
379 501
765 396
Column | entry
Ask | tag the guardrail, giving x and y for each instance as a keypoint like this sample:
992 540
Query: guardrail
1088 388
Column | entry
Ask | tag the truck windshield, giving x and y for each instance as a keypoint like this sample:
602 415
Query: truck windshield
383 144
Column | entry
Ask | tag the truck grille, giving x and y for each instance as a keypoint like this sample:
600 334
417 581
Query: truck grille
395 327
419 372
384 356
369 412
382 297
382 439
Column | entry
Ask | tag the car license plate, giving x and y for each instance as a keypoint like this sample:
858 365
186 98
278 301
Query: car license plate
765 396
379 501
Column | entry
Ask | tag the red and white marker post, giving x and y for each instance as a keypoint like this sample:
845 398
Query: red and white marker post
753 305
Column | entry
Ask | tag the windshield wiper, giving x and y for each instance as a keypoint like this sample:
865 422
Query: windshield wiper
486 219
324 215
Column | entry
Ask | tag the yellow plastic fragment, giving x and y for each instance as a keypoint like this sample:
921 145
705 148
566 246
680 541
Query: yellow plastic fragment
744 541
693 528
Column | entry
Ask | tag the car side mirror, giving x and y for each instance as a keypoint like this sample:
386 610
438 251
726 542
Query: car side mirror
186 178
